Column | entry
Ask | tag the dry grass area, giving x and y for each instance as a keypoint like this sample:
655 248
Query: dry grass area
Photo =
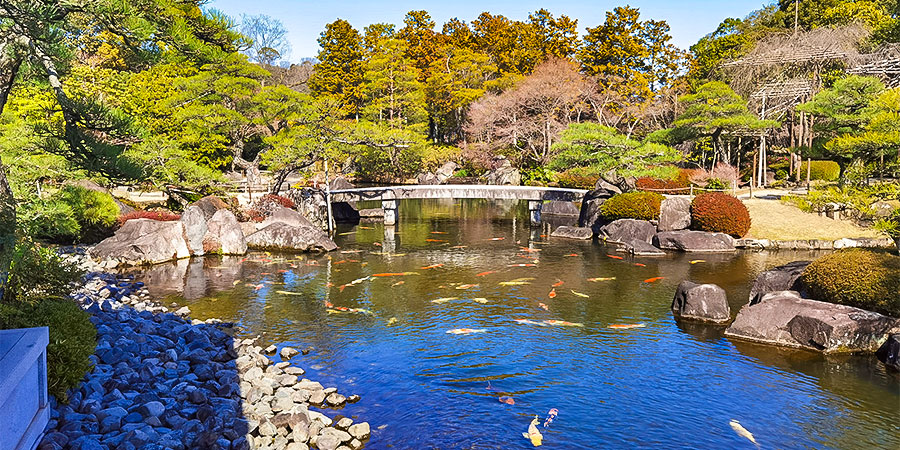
774 220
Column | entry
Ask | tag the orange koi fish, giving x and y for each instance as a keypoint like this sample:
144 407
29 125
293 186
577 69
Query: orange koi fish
615 257
329 284
497 239
341 262
435 240
507 400
328 304
529 250
572 254
558 283
459 246
486 273
651 280
282 271
433 266
341 287
377 244
543 306
365 228
552 293
393 274
438 232
398 283
626 326
465 331
640 265
563 323
523 265
265 273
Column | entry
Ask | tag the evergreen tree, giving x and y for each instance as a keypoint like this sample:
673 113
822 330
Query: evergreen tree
340 68
391 91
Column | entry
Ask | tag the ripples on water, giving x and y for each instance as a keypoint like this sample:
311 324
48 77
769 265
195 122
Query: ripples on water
667 385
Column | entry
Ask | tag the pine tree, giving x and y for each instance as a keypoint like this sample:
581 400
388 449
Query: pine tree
340 68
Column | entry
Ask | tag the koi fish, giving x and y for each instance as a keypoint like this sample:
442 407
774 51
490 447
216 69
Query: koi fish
543 306
347 233
563 323
513 283
697 261
435 240
530 322
365 228
342 287
392 321
497 239
329 304
466 330
329 284
601 279
529 250
486 273
580 294
265 273
289 293
572 254
741 431
393 274
444 300
459 246
533 434
480 300
557 284
236 282
377 244
341 262
654 279
342 309
398 283
552 293
257 287
438 232
312 263
615 257
350 251
507 400
550 416
640 265
523 265
626 326
466 286
433 266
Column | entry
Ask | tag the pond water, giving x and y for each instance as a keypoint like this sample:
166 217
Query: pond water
665 385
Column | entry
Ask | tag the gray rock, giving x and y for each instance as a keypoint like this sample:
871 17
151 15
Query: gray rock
783 318
335 399
627 230
287 216
194 221
311 204
889 352
559 208
224 235
152 409
144 241
572 232
360 430
210 205
342 436
371 213
700 302
271 349
344 423
317 397
674 214
267 429
289 352
426 178
327 442
297 446
694 241
590 216
642 248
504 173
340 183
280 236
355 444
781 278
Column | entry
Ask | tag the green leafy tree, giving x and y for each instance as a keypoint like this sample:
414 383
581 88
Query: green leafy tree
340 68
374 34
617 48
457 80
391 91
422 43
879 137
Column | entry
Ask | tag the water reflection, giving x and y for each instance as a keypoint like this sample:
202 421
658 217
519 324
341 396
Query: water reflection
667 385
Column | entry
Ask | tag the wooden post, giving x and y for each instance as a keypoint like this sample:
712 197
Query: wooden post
808 170
329 215
752 176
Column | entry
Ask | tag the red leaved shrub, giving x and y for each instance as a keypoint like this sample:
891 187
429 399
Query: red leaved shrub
720 213
164 216
275 199
675 185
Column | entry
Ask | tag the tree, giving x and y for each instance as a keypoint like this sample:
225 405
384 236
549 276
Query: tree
340 68
375 34
617 48
665 61
422 42
598 149
457 34
459 78
879 137
552 37
391 92
267 39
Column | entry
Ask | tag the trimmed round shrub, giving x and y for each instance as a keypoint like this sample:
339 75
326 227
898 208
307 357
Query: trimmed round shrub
632 205
50 220
91 208
720 213
72 338
821 170
868 279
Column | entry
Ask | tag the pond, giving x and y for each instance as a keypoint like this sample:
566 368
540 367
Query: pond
662 385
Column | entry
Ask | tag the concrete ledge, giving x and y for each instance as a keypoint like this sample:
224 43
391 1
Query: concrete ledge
23 387
813 244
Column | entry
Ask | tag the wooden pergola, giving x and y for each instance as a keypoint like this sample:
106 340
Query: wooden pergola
887 69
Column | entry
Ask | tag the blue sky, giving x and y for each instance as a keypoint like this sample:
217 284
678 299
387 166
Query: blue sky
304 19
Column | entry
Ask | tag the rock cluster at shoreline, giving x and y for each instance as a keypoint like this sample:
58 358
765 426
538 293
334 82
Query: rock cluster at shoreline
161 380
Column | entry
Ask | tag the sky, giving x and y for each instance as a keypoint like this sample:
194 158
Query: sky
305 19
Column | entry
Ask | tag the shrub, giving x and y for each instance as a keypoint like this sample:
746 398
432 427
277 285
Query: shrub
50 220
868 279
72 338
676 185
91 208
632 205
164 216
272 199
821 170
575 179
36 272
720 213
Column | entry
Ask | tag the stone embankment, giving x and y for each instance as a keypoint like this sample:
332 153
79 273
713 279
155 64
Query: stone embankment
161 380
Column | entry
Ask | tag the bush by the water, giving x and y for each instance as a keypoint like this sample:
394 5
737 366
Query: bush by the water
72 338
675 185
868 279
71 214
576 179
49 220
821 170
720 213
37 272
632 205
163 216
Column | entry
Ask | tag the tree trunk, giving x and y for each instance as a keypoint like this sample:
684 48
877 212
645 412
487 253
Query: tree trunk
7 230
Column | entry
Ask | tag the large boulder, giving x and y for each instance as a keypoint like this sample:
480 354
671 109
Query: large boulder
700 302
783 318
340 183
694 241
889 352
638 247
627 230
224 235
311 203
281 236
445 172
781 278
285 215
504 174
572 232
589 216
144 241
209 205
427 178
674 214
559 208
194 220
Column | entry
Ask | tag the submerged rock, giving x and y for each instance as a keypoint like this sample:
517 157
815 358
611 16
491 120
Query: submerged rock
701 302
783 318
694 241
572 232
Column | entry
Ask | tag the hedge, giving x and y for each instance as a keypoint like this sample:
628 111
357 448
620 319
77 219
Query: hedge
821 170
720 213
632 205
868 279
675 185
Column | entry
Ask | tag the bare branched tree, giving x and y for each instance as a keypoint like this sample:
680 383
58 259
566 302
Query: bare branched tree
268 39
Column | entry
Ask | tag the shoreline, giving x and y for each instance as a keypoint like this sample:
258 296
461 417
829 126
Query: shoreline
162 378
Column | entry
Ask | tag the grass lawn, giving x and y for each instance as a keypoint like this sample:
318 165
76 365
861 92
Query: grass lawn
774 220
